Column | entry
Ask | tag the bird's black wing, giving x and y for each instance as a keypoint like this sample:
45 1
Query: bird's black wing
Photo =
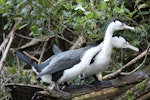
46 62
63 61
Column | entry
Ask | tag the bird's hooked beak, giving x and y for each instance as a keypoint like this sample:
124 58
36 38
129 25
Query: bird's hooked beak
129 27
132 47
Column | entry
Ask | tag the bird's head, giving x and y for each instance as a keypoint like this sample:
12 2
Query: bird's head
116 24
120 42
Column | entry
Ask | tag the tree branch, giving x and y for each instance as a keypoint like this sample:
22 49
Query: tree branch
112 75
79 92
79 43
30 56
129 73
8 40
43 50
9 35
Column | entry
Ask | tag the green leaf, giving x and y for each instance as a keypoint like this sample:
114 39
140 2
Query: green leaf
137 2
5 14
79 7
12 70
132 13
79 1
34 29
20 26
117 9
144 13
7 25
144 5
87 12
24 11
136 42
90 15
3 2
8 3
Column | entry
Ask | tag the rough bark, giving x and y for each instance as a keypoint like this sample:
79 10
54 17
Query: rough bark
112 88
141 91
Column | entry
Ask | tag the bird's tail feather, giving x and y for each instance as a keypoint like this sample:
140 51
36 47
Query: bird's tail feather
25 59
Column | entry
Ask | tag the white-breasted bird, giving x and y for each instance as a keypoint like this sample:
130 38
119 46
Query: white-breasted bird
117 42
101 56
67 65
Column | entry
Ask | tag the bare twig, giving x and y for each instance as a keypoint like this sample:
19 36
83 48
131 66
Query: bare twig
29 38
115 65
30 56
43 50
18 63
129 73
79 43
134 22
121 55
26 45
9 35
5 52
112 75
8 40
4 37
32 43
64 39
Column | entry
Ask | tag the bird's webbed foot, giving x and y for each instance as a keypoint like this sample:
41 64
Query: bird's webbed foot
86 83
102 84
57 88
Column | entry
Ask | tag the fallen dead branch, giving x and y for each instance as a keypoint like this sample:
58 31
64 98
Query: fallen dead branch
112 75
137 68
114 88
146 96
141 91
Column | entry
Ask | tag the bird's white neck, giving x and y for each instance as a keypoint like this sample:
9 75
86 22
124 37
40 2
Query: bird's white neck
107 45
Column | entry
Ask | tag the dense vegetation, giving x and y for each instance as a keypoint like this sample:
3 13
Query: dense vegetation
66 20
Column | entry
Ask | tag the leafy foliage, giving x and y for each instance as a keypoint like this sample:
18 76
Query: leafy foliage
53 17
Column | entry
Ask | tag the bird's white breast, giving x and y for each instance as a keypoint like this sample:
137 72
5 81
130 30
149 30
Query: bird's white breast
71 73
47 78
100 63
